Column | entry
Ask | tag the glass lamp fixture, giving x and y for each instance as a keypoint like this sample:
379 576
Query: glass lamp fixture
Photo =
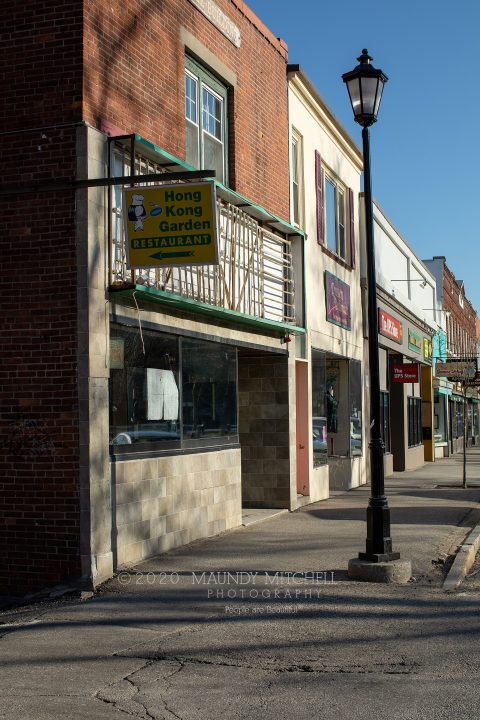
365 87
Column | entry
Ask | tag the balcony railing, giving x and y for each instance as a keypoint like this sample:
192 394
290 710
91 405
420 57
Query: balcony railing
254 275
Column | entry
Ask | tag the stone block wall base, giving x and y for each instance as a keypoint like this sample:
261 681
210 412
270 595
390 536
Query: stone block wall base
395 571
101 569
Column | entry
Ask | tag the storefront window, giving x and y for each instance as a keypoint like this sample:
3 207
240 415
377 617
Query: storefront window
470 421
319 419
355 392
343 401
456 409
208 391
385 419
160 403
414 421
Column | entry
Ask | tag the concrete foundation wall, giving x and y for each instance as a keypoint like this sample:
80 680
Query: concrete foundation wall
346 473
414 457
319 483
162 503
388 464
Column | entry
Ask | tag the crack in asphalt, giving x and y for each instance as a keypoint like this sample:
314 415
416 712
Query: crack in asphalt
401 667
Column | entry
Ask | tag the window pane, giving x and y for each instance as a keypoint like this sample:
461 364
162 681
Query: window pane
212 114
355 408
385 419
330 215
295 160
191 86
213 156
295 188
338 407
296 217
192 156
341 224
144 397
209 380
319 420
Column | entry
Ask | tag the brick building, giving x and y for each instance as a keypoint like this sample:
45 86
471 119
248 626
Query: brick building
461 343
100 467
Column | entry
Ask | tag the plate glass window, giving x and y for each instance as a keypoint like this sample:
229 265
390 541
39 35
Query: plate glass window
296 149
335 218
206 120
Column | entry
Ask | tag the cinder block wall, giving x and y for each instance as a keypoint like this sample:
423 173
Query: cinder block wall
162 503
265 431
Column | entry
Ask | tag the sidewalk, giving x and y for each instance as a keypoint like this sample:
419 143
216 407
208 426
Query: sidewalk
175 637
430 515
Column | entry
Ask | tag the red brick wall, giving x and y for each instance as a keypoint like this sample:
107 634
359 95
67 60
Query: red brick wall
40 71
134 65
133 78
40 63
461 321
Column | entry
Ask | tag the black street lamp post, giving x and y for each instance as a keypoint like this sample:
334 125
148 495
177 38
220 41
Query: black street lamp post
365 86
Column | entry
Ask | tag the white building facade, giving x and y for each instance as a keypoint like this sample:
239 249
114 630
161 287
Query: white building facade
325 182
408 320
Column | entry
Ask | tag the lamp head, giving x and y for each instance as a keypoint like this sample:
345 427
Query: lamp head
365 87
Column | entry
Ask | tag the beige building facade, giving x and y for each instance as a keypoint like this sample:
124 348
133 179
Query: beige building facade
325 173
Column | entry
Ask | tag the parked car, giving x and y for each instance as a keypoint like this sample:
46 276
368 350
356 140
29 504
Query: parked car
129 437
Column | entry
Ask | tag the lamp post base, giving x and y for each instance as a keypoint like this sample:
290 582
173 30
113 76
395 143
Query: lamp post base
379 557
394 571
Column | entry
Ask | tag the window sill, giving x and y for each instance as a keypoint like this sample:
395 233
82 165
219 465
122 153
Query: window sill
336 257
137 454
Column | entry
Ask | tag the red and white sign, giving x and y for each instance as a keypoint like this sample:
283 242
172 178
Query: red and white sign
405 372
390 326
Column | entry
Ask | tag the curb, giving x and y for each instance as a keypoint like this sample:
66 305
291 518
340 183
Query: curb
463 560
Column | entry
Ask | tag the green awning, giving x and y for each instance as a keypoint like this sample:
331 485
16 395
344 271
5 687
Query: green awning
188 305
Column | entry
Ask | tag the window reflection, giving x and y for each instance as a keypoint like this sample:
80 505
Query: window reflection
159 402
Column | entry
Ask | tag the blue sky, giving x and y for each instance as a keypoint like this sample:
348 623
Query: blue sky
426 143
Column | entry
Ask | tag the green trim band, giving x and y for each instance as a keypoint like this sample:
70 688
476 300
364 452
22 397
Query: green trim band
182 303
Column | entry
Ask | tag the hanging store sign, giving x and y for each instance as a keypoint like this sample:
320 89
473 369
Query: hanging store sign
337 294
390 327
427 349
170 225
457 370
414 341
405 372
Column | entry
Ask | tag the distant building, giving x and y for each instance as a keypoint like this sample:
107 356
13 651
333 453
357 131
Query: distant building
461 344
408 321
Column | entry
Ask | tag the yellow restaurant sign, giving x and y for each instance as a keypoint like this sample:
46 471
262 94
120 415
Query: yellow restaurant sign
171 225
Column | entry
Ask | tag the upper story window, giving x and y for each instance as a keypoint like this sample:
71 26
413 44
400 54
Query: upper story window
206 120
335 220
296 175
335 214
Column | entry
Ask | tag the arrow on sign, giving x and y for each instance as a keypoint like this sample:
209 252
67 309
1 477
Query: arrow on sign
164 255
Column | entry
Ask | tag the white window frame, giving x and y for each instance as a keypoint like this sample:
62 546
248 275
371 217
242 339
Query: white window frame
296 138
205 80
